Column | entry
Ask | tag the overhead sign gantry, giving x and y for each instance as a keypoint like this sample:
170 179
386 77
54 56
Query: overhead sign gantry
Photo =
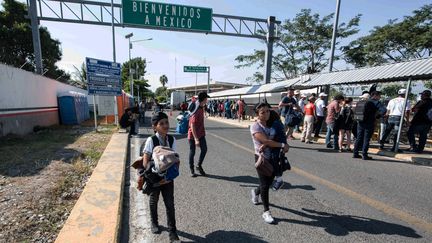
151 15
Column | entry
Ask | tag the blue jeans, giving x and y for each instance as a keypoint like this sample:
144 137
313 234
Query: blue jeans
332 131
393 124
364 135
422 130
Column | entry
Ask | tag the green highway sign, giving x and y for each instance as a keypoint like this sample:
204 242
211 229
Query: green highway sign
194 69
167 16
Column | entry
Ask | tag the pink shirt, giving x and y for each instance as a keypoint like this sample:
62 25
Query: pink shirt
332 109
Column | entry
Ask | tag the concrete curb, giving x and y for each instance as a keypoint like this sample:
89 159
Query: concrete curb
243 124
420 159
96 217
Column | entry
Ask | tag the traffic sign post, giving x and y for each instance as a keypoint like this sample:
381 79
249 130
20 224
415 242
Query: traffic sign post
103 78
196 70
167 16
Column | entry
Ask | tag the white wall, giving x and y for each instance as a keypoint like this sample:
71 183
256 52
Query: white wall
22 89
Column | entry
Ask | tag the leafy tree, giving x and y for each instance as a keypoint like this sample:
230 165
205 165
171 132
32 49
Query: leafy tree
137 72
16 45
303 45
161 99
162 91
395 41
79 77
428 84
163 80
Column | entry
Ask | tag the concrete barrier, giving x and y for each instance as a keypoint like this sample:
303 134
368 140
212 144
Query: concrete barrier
96 217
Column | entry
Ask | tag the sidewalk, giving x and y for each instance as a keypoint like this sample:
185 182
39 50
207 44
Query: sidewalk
421 159
237 123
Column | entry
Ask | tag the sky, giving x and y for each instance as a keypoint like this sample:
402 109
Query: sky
169 51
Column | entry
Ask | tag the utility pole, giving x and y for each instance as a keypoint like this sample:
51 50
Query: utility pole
208 79
333 44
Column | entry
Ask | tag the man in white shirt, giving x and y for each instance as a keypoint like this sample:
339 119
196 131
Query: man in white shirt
320 113
395 110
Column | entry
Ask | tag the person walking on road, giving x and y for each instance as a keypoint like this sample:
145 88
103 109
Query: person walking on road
421 122
320 113
395 111
160 124
333 110
262 137
196 135
287 106
275 123
344 123
308 122
365 128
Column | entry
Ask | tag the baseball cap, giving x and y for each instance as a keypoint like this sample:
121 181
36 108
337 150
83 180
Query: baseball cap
202 96
426 92
402 91
296 92
322 94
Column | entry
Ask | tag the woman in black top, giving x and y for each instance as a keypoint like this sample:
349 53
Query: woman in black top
345 123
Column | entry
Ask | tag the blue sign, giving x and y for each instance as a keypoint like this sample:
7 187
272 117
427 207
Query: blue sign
103 77
104 90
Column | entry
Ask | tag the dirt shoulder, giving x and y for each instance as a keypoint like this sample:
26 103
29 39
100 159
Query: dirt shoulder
41 177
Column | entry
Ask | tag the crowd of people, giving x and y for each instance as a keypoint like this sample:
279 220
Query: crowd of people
229 109
345 120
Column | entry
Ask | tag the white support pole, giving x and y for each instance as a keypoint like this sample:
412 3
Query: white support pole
208 80
196 82
114 59
94 111
408 90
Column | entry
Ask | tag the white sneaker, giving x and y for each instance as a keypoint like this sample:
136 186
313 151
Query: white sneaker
268 217
254 197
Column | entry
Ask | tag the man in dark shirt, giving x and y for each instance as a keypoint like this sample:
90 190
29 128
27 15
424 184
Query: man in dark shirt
127 120
196 135
365 128
287 105
420 123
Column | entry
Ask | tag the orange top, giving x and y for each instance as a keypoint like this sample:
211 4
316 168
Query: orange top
309 109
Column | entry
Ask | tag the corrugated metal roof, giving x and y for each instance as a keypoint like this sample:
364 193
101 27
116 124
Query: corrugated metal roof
232 92
257 89
277 86
417 70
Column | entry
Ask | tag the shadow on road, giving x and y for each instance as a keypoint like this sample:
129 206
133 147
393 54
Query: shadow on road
376 158
342 225
254 182
222 236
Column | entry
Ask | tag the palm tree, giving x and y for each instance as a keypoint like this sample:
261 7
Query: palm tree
164 80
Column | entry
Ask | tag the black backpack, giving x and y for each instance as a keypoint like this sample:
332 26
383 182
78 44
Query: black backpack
152 178
359 110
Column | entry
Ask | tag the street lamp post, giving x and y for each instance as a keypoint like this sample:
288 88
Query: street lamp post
128 36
